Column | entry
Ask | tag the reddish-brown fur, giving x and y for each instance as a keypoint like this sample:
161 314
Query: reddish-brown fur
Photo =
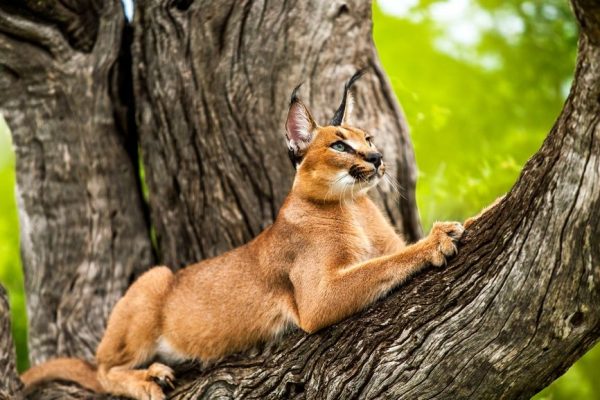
329 253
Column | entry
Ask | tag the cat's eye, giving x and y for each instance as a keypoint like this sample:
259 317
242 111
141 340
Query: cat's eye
338 146
369 140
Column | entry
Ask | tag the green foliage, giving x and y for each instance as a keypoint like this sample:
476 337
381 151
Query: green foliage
11 275
481 82
481 104
580 382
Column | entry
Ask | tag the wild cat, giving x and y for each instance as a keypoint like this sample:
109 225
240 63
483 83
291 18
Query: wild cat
329 253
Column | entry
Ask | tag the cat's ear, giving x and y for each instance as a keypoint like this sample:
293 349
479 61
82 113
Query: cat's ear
344 111
300 127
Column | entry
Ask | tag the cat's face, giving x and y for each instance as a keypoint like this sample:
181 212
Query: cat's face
333 162
340 162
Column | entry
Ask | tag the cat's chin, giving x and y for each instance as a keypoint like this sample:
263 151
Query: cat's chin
364 186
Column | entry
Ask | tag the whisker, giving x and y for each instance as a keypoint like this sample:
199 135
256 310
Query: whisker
395 185
389 181
333 184
392 184
341 197
393 181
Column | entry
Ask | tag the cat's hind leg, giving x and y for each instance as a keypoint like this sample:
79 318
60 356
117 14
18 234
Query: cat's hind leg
131 339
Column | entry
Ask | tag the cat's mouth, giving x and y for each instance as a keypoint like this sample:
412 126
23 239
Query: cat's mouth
366 175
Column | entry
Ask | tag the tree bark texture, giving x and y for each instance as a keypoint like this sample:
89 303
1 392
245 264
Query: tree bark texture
10 385
83 232
212 85
519 304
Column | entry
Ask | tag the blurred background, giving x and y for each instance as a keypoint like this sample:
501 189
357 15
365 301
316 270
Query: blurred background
481 83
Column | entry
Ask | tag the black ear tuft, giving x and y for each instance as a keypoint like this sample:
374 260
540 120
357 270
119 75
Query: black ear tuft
340 114
294 98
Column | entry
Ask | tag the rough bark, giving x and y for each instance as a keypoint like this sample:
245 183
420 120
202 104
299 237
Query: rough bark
83 232
212 85
517 306
10 385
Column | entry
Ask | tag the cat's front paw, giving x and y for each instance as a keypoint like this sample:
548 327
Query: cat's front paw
442 241
161 374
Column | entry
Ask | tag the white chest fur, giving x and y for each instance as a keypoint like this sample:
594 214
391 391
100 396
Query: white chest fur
167 352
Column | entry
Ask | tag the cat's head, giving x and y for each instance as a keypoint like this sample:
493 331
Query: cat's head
332 162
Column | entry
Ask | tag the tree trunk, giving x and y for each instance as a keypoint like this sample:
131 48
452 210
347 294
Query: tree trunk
83 231
10 385
212 85
517 306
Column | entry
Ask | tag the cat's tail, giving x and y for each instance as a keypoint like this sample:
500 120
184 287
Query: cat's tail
66 369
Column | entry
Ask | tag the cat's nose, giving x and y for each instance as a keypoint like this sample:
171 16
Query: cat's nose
374 158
